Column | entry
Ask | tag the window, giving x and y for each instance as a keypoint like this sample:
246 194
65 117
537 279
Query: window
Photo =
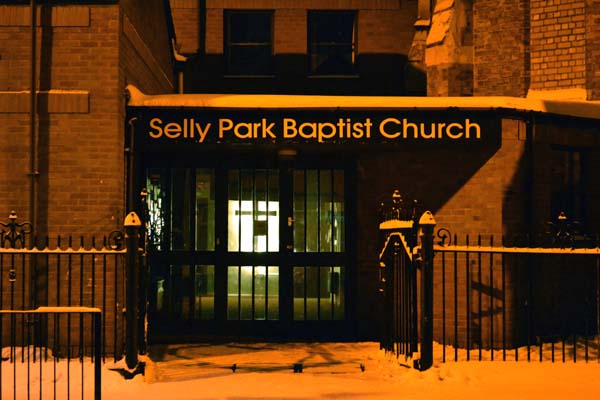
569 169
249 42
332 42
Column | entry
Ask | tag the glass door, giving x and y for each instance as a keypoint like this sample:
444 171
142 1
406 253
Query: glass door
181 243
246 249
253 244
319 262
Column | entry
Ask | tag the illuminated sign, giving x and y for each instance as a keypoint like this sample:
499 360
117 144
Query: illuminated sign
318 127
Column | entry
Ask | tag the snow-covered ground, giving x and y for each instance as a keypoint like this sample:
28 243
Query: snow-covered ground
330 371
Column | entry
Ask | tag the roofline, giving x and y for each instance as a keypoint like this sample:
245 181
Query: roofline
572 108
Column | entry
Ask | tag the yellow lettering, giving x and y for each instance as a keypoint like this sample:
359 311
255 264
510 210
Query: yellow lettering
155 124
203 132
454 135
410 125
440 129
289 125
312 132
238 130
468 126
322 134
357 130
368 125
225 124
384 132
172 130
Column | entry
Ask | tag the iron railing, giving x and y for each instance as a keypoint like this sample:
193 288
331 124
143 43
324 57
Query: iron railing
513 303
62 365
71 274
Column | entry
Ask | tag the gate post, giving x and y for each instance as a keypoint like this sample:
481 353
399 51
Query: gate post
427 225
132 259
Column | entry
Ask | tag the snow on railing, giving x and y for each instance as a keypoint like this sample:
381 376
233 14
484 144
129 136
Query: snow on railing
402 240
514 250
54 310
70 250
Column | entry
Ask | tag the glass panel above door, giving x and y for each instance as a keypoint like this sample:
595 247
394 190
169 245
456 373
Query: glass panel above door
253 211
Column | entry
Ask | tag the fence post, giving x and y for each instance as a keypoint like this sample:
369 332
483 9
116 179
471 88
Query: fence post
132 238
427 225
97 356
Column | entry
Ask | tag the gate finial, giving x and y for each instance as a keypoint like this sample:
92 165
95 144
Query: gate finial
16 231
427 219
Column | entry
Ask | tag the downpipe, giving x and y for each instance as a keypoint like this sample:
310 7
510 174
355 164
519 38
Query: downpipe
33 134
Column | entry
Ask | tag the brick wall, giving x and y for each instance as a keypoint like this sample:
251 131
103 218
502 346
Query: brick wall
214 31
384 26
82 66
150 24
14 166
289 33
500 63
145 58
80 185
449 50
186 21
81 168
80 53
80 165
473 197
592 47
385 32
558 44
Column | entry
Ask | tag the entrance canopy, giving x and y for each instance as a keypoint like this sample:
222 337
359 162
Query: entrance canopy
538 104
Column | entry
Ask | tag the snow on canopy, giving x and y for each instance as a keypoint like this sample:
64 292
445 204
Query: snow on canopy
551 102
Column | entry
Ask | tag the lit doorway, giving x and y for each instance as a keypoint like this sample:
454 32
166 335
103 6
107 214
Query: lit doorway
247 250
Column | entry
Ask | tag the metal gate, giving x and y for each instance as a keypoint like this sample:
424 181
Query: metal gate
398 287
405 281
405 260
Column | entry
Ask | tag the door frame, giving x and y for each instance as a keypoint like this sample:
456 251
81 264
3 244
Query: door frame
285 328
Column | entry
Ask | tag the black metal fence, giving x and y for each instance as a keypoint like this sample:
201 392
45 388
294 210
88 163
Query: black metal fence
499 302
71 274
533 297
41 360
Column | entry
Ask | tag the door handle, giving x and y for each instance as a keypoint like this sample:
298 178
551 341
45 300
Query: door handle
290 221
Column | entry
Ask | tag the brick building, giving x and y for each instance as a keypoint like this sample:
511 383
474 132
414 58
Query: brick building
294 121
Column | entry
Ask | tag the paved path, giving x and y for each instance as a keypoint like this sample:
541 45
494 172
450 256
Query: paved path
189 361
